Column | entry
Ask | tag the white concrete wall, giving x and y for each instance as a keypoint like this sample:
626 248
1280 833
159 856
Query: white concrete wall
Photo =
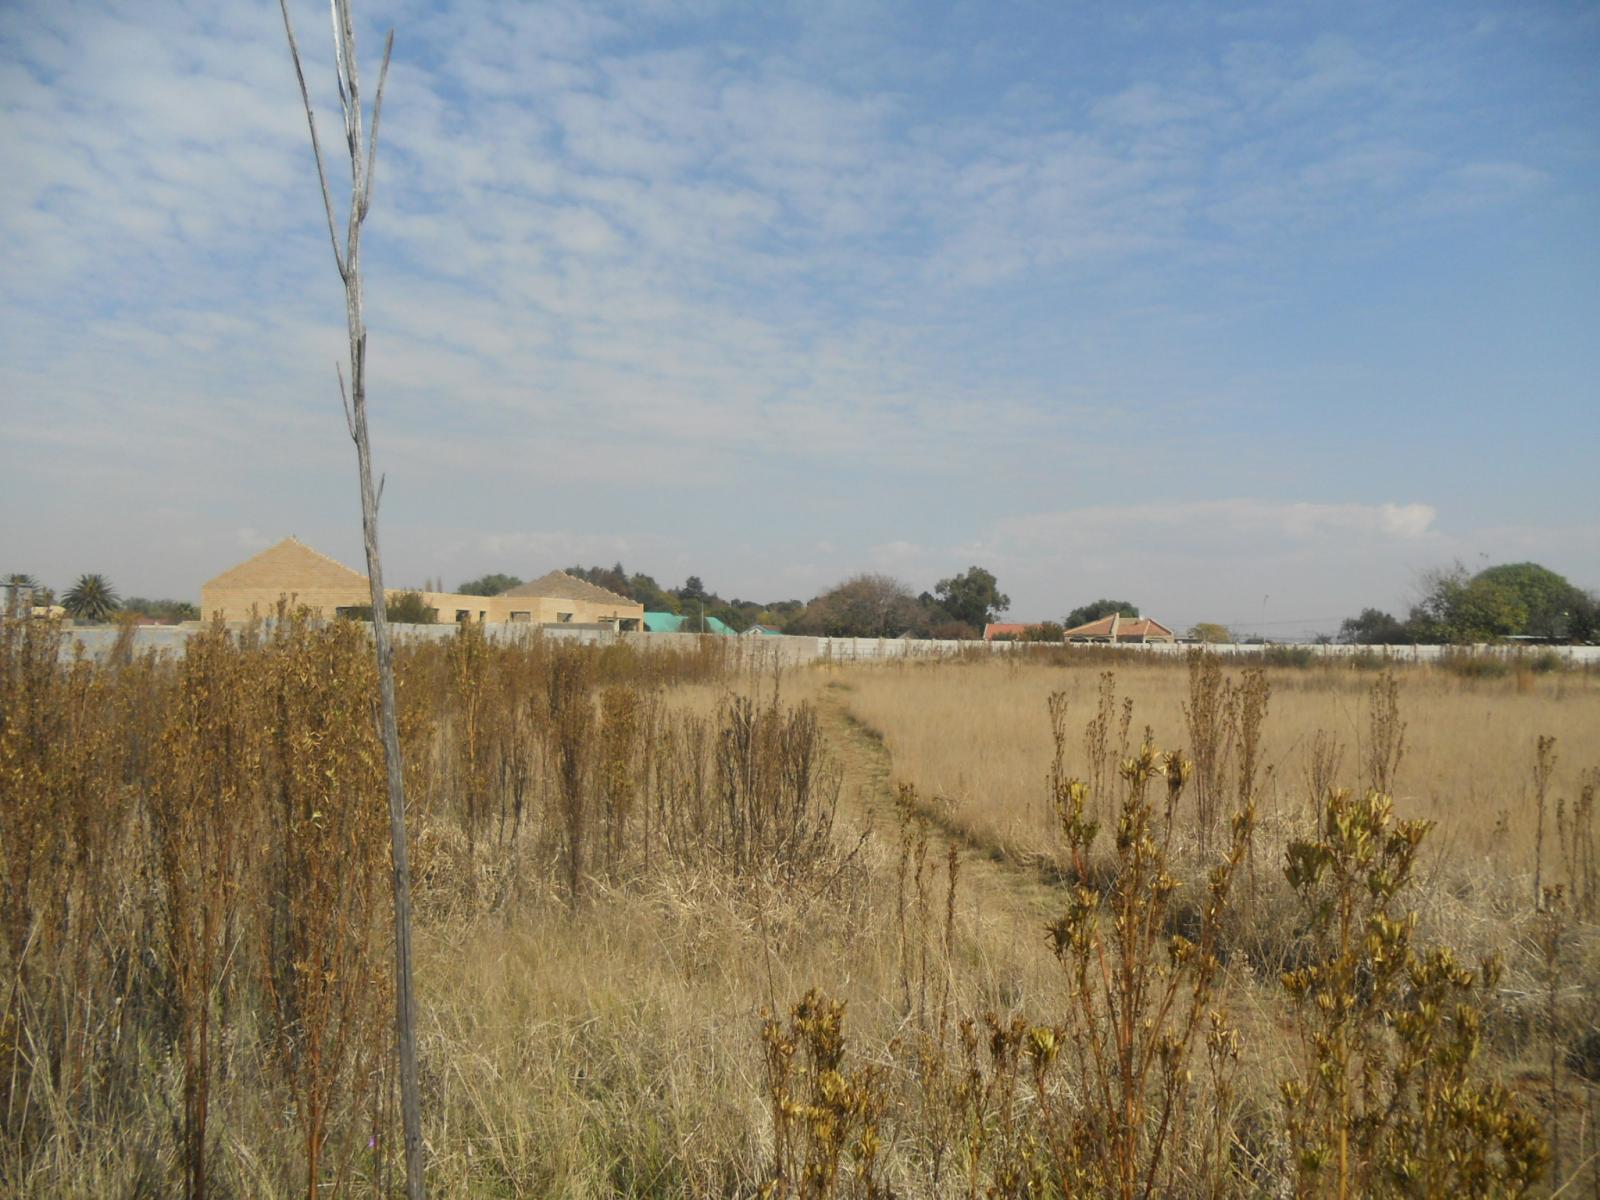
98 639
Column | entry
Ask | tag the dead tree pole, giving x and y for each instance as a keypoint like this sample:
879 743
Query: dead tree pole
363 155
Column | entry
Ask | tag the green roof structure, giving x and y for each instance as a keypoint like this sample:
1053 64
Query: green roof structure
659 622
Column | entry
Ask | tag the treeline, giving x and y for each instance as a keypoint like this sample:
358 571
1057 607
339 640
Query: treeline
865 605
1504 601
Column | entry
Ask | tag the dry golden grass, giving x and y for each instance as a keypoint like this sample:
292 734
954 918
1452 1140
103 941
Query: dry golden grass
601 1029
977 738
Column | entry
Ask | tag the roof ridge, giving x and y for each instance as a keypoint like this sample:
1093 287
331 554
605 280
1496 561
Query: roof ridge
312 550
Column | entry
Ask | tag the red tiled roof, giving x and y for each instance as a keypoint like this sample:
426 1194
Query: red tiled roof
1014 630
1126 627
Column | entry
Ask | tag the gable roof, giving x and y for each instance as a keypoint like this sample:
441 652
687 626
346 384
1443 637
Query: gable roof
558 585
1121 626
291 565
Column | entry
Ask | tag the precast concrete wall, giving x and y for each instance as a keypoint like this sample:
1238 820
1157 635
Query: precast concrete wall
95 641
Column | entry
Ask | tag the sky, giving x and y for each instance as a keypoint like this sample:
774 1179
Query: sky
1242 313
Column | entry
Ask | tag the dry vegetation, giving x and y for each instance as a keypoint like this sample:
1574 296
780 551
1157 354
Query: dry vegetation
689 927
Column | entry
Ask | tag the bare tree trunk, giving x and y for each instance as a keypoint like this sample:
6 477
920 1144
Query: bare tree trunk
363 153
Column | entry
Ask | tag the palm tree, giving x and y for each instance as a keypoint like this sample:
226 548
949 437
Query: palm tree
92 598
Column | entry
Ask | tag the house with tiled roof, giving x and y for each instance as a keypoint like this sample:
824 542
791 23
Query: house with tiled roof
1118 628
1006 631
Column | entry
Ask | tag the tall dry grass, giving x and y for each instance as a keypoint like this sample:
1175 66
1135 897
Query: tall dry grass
977 738
668 947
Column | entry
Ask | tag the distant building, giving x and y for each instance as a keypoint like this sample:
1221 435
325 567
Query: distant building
293 572
1117 628
1009 631
660 622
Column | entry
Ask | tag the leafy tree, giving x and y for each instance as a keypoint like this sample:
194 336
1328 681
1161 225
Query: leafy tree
162 610
1211 633
972 597
612 578
1546 597
1374 628
1458 607
92 598
866 605
1044 631
1100 608
646 591
1583 618
489 585
693 589
402 608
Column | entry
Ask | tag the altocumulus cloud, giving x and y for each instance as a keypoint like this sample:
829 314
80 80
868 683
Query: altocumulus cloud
670 280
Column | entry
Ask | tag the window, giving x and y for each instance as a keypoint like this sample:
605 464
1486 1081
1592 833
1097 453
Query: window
522 616
462 615
564 618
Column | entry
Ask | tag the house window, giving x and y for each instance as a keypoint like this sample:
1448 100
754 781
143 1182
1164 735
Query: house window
522 616
563 617
463 615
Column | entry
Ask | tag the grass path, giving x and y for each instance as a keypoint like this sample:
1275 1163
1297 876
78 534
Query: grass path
1010 897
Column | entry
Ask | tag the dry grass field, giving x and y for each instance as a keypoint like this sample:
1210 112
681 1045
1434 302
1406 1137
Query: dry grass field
690 928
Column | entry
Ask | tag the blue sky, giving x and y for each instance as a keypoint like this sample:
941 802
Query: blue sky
1242 313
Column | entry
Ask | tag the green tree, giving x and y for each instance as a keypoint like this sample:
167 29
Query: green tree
1373 627
613 578
973 597
646 591
489 585
1100 608
865 605
1211 633
162 610
693 589
1461 608
1547 598
1044 631
92 598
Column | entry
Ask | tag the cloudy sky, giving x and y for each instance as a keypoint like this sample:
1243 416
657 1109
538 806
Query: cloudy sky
1244 313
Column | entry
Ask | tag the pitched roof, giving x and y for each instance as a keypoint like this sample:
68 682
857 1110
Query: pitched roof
1125 627
996 629
558 585
292 565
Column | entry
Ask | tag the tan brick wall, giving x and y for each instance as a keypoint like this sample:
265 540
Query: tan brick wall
242 603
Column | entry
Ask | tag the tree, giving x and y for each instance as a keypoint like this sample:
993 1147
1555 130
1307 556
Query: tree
1100 608
403 608
363 154
92 598
1211 633
171 611
613 578
692 589
866 605
1044 631
1373 627
972 597
1458 607
489 585
1546 597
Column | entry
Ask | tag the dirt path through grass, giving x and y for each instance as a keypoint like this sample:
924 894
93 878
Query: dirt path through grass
1009 896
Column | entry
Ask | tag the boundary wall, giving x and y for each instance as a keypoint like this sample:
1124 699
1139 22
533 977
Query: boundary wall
97 640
